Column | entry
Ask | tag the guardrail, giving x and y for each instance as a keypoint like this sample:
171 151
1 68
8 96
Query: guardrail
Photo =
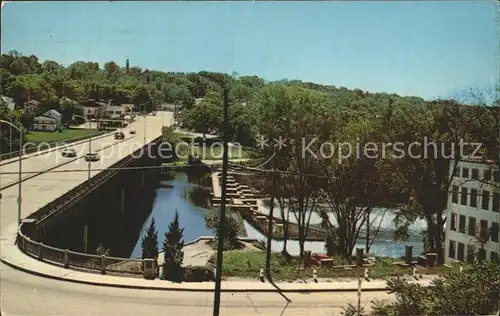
76 260
79 261
33 149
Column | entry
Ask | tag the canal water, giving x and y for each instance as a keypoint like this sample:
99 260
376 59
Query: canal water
190 196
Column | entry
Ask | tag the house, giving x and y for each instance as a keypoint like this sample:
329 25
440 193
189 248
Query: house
114 111
32 106
473 210
9 102
48 121
93 109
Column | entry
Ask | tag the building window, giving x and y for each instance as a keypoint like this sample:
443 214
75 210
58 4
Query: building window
454 194
473 197
461 224
481 256
485 203
451 249
496 202
472 226
496 176
465 173
494 257
484 228
475 174
460 253
453 222
470 254
494 232
463 196
457 171
487 175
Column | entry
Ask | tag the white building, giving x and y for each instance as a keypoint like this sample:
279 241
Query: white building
473 207
48 121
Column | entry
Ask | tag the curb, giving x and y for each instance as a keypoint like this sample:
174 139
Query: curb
59 165
156 288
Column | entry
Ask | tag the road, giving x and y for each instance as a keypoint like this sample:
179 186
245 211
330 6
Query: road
44 188
26 295
51 159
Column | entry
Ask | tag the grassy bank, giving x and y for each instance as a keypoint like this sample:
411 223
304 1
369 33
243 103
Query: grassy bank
248 265
50 137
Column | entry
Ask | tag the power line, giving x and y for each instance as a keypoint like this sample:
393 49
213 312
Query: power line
231 166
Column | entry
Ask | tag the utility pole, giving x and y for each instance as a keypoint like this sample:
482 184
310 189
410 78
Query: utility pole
222 216
270 221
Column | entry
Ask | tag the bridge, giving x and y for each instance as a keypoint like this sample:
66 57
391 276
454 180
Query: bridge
48 176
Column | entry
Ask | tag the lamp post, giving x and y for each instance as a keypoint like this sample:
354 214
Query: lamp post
90 139
145 115
19 194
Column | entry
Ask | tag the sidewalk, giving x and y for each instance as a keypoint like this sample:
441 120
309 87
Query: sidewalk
13 257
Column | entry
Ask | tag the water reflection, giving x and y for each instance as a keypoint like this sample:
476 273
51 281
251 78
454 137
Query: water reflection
189 195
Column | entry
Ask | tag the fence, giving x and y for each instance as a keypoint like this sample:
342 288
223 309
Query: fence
71 259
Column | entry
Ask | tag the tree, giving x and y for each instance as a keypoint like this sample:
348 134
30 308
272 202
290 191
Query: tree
445 124
352 188
172 248
203 116
149 242
232 227
295 114
475 291
69 108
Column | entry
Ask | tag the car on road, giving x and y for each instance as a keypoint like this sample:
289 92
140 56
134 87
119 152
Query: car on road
132 131
68 152
119 135
92 157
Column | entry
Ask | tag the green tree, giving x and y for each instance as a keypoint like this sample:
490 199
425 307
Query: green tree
149 242
172 248
475 291
69 108
204 116
231 228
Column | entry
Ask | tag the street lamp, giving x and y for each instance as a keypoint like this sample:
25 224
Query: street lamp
145 116
19 194
90 138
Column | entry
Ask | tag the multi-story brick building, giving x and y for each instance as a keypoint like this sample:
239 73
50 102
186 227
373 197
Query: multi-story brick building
473 211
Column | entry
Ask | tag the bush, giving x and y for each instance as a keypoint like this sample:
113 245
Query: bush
472 292
198 274
233 226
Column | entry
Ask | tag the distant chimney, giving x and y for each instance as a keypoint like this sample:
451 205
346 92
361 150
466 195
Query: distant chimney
127 65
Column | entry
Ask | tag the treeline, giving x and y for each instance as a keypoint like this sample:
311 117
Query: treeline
344 184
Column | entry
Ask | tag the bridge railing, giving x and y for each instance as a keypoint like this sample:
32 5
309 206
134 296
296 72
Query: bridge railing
79 261
71 259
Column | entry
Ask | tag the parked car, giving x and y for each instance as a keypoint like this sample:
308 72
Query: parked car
68 152
92 157
132 131
119 135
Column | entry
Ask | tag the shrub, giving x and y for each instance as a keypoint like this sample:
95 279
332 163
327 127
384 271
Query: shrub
198 274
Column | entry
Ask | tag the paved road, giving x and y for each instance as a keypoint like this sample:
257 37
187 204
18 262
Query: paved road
51 159
22 294
44 188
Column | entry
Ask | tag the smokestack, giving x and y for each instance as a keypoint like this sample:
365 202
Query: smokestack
127 65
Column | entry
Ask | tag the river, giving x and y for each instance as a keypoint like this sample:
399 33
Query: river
189 195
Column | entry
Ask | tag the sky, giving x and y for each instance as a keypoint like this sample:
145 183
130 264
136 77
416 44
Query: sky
426 49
